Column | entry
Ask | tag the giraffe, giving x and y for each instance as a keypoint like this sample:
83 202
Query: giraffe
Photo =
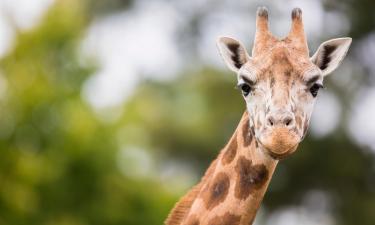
279 84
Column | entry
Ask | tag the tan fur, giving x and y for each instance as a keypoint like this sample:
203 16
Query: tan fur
182 207
282 144
193 203
263 37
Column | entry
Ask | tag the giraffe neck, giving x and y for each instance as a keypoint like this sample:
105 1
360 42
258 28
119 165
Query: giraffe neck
233 186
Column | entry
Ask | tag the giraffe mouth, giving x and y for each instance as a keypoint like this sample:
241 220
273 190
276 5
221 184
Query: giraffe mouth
279 143
279 155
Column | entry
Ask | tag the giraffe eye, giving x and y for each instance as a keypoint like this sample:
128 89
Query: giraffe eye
314 89
245 88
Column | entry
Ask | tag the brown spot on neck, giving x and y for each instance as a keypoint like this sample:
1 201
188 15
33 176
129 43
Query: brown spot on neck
231 150
226 219
252 131
272 82
246 135
249 177
216 191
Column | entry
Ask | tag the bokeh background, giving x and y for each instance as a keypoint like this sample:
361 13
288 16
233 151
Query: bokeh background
111 110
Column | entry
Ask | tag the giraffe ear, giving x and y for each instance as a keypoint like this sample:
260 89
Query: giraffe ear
233 53
330 54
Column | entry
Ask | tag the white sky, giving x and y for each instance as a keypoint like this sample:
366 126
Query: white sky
128 45
326 114
362 125
22 13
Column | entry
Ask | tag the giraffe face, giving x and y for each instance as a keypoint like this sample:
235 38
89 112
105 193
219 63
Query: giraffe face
280 82
280 91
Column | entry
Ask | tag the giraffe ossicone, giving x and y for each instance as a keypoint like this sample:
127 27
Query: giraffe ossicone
279 83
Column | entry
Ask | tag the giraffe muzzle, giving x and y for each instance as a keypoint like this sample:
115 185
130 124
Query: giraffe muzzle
280 142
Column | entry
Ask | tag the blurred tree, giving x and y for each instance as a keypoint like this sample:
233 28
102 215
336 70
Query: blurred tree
59 161
189 116
99 8
359 13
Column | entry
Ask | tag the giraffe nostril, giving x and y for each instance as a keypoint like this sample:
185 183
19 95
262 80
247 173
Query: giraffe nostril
270 121
280 120
287 121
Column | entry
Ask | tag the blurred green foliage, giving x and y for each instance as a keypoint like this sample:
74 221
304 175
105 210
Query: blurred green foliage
61 163
58 160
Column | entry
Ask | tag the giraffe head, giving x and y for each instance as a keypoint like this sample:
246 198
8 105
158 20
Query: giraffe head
280 81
